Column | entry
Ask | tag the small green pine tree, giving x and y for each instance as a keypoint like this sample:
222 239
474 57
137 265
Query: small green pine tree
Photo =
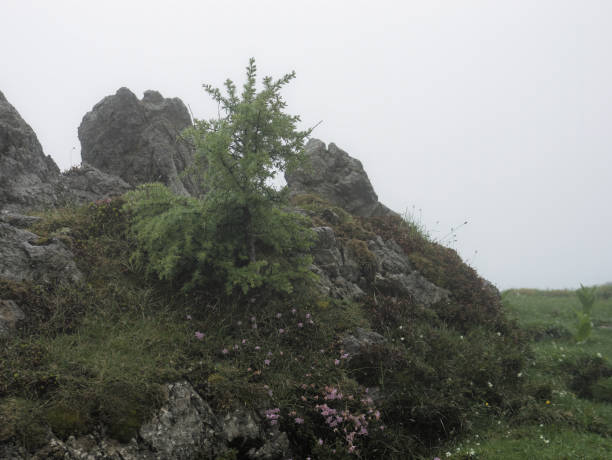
239 233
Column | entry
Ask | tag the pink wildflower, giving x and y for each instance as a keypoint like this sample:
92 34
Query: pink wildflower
199 335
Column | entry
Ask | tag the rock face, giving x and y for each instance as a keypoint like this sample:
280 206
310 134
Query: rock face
26 174
344 273
138 140
86 183
337 177
24 256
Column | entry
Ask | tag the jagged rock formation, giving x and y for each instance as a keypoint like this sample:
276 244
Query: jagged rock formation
343 275
31 180
334 175
138 140
26 174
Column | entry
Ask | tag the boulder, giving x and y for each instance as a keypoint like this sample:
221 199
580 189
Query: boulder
25 256
26 174
139 140
334 175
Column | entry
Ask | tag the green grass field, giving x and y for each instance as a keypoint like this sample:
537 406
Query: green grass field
570 416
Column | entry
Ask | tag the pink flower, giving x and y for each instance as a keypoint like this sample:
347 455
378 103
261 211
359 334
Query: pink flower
279 315
294 311
300 324
243 341
299 420
225 351
199 335
281 331
307 315
188 316
320 442
336 361
267 362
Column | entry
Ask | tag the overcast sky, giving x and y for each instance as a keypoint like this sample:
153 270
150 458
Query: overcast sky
494 112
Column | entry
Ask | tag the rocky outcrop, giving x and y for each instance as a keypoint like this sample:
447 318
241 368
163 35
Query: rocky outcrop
334 175
25 256
184 428
139 140
347 269
31 180
26 174
85 184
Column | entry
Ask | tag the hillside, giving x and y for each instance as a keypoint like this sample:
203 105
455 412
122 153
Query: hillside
394 349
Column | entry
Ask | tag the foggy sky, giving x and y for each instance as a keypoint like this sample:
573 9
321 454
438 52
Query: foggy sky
498 113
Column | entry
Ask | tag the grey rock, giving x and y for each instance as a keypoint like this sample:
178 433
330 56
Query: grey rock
333 174
240 427
184 428
396 277
360 340
340 273
331 266
26 174
10 314
21 258
18 220
138 140
87 183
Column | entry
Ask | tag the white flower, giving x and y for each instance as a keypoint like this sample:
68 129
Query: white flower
519 375
448 454
489 384
599 355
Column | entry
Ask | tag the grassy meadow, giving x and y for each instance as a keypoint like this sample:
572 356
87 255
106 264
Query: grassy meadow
569 415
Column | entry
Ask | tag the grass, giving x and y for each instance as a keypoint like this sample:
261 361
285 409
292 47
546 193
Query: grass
564 418
459 375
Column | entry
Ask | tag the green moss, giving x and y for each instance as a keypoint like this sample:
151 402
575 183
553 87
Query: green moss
20 420
66 420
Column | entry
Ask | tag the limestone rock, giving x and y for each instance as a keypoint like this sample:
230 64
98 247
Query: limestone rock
247 432
24 256
18 220
334 175
138 140
87 183
10 314
341 275
183 428
26 174
360 340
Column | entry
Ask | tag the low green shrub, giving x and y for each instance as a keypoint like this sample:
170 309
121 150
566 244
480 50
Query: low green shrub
584 371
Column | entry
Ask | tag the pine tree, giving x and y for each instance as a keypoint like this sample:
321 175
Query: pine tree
239 233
